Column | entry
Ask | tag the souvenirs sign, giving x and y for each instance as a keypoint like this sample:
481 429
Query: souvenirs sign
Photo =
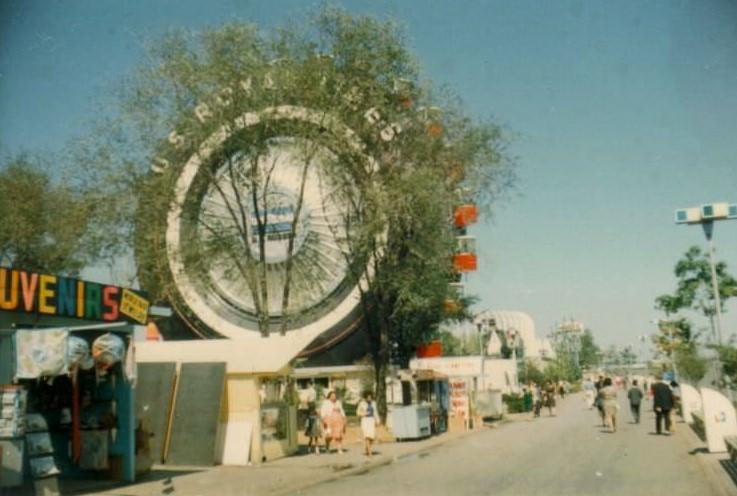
46 294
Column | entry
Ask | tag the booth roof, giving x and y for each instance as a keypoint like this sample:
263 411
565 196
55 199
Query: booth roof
421 374
251 356
330 371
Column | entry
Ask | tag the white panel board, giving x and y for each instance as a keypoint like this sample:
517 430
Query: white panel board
237 444
719 419
690 402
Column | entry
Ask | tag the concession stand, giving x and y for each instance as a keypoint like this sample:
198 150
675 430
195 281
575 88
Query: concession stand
419 403
67 378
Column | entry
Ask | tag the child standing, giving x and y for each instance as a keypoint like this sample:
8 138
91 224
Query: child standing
313 429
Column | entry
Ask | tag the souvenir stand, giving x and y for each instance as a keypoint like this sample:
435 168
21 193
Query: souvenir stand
67 405
419 401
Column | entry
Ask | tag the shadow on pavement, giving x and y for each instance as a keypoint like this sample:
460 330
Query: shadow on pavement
730 468
697 451
164 475
93 485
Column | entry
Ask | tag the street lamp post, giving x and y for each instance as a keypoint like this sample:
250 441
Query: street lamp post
706 215
708 232
480 329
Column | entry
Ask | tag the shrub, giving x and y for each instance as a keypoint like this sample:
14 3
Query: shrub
515 402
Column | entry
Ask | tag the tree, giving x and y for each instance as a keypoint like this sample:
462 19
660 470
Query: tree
564 366
255 136
694 290
532 374
690 365
678 342
589 352
728 358
452 345
44 224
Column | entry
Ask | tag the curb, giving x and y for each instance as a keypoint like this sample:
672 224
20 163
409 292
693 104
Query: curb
717 476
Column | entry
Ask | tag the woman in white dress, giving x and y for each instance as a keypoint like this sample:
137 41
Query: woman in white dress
369 419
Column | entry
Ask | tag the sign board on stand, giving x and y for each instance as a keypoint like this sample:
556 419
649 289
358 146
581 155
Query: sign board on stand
459 404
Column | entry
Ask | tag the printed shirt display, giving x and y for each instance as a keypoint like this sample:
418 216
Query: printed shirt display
40 353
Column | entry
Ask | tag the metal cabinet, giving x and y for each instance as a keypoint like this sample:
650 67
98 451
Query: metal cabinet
411 422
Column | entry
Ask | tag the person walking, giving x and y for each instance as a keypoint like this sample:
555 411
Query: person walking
368 414
527 400
333 421
313 429
662 404
549 397
609 404
537 401
635 396
598 403
676 390
589 392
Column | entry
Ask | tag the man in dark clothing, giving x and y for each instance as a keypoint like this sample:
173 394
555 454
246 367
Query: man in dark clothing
635 397
662 404
597 401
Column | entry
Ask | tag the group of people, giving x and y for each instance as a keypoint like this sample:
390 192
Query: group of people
329 420
664 398
536 396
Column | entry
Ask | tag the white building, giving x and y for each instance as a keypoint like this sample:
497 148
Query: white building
479 373
522 324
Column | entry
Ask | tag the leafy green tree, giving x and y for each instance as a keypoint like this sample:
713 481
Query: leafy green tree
676 338
678 342
531 373
694 289
690 365
452 345
343 95
673 334
44 223
728 358
563 367
588 355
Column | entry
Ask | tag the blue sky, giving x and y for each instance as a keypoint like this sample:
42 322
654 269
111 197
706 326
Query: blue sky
623 111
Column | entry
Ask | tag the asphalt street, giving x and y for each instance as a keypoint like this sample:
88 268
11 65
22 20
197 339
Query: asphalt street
568 454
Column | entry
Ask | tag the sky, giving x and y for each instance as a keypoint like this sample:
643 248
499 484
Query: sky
621 113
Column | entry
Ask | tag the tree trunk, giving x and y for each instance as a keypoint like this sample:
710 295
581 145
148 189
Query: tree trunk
381 366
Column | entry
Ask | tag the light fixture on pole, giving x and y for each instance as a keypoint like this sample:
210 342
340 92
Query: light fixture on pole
706 215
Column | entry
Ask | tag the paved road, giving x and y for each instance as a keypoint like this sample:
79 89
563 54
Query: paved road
569 454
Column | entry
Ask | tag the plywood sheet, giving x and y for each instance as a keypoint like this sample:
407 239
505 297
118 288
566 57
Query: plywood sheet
237 447
196 416
154 389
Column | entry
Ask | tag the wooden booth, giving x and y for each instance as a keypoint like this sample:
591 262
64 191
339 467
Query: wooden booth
67 378
67 406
